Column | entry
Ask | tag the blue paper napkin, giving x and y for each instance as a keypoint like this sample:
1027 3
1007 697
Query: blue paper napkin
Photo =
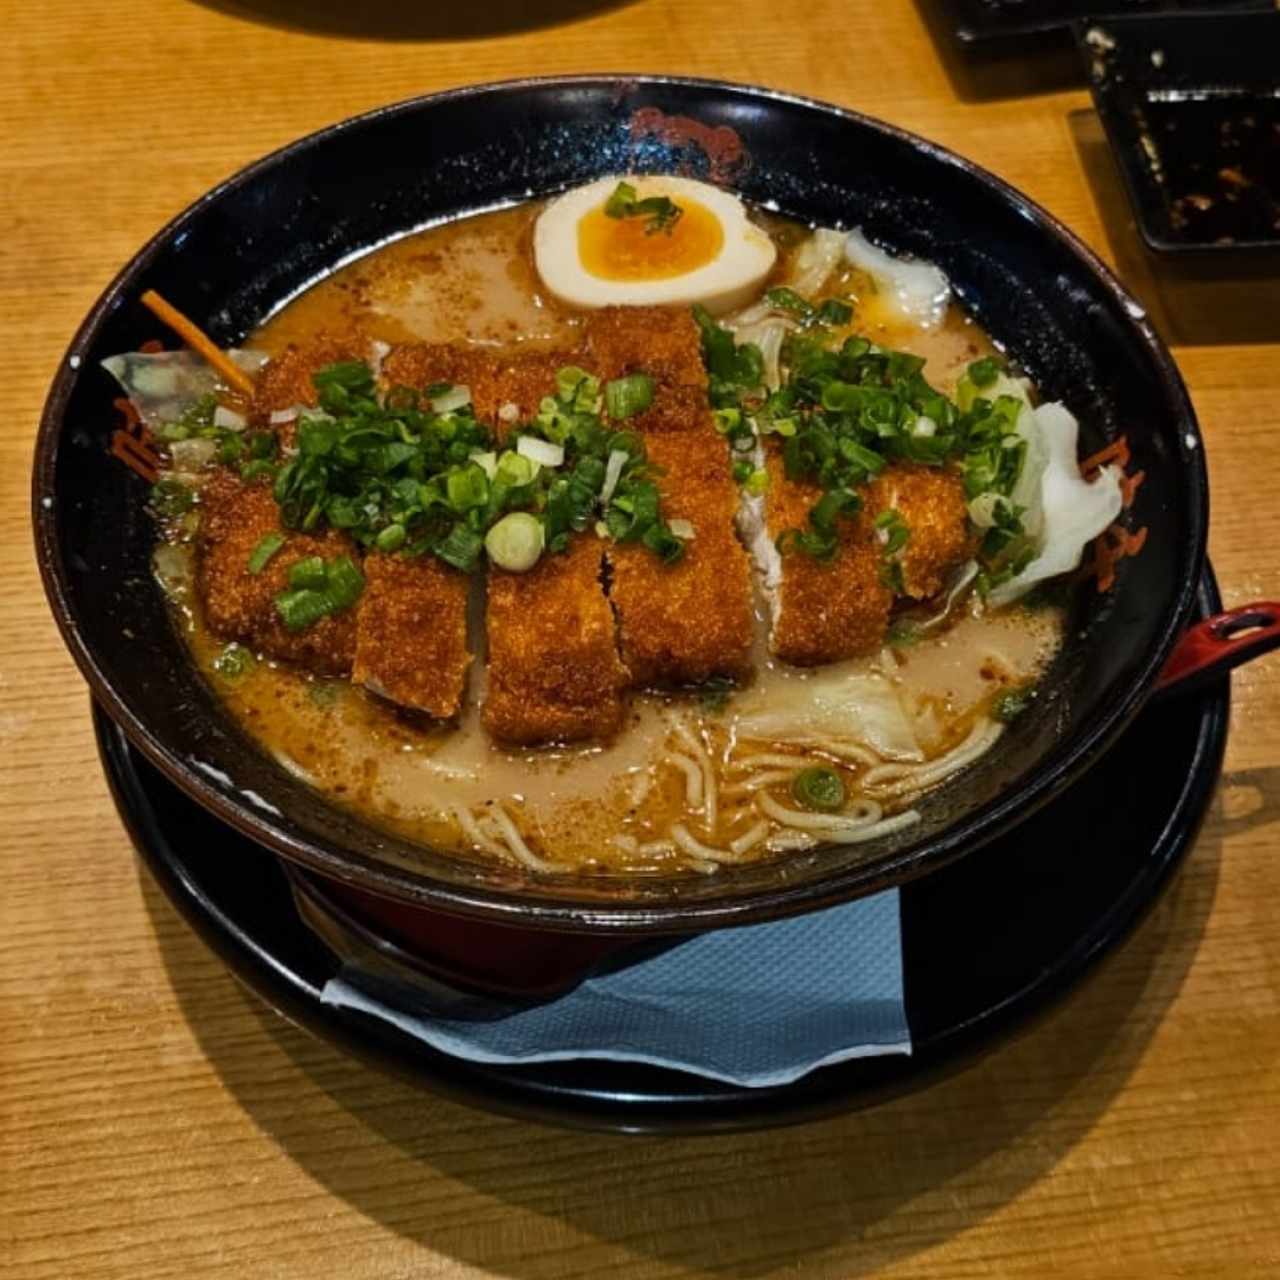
763 1005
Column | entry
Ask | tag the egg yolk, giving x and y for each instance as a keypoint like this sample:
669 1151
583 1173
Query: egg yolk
625 248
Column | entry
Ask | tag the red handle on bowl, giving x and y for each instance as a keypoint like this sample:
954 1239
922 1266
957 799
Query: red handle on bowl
1212 647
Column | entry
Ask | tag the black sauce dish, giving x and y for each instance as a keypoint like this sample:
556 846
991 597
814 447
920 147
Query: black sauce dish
1191 106
258 239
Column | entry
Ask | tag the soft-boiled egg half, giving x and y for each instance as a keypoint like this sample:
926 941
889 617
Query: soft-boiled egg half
590 254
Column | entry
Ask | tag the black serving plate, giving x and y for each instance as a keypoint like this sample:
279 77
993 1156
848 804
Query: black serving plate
988 942
1184 101
983 23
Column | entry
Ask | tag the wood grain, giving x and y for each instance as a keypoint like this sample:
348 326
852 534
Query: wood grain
155 1121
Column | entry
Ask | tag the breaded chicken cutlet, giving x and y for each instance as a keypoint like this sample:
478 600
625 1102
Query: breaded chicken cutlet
240 605
932 505
663 342
495 379
827 611
822 611
682 624
286 380
553 666
411 633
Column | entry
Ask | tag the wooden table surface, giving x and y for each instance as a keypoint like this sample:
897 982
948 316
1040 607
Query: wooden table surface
157 1121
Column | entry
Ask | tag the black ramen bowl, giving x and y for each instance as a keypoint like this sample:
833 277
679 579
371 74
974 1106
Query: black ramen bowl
265 234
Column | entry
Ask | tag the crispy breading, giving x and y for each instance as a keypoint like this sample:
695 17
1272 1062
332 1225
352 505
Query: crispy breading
674 409
495 379
554 671
411 633
661 341
239 605
931 502
423 364
684 623
285 380
823 610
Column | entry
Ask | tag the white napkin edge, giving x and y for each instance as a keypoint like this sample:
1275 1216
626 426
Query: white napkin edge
339 994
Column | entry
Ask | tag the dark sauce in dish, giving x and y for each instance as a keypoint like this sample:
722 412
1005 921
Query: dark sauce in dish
1217 158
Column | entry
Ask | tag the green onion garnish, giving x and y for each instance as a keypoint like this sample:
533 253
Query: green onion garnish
346 582
515 543
300 609
626 396
171 498
893 530
398 475
234 661
663 212
461 548
317 589
844 412
392 538
819 788
309 572
982 373
261 555
1008 705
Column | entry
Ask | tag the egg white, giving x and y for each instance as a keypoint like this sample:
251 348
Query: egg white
729 280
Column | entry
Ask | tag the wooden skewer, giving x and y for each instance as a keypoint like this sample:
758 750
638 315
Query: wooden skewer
199 341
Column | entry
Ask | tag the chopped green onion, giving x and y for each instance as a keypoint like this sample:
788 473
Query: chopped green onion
515 543
317 589
261 555
345 582
467 488
515 470
626 396
982 373
300 609
727 421
903 633
819 788
713 694
461 548
789 300
893 531
170 498
663 213
234 661
1008 705
309 572
620 200
392 538
543 452
757 483
834 311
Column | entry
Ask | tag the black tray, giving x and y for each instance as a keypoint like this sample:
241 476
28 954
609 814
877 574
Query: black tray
1217 67
978 24
988 943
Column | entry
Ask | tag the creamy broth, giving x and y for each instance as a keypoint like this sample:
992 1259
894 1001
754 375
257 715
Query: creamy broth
605 808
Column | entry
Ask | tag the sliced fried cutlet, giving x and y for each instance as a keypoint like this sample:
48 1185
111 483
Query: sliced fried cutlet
411 633
682 624
425 364
553 666
823 611
496 380
663 342
932 504
239 605
285 380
